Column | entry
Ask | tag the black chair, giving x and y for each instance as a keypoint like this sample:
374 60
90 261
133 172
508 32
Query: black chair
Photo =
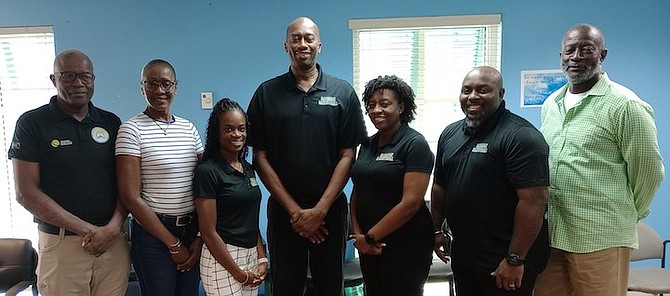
18 261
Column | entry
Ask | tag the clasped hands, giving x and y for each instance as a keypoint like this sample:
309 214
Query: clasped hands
364 247
98 239
252 278
185 257
308 223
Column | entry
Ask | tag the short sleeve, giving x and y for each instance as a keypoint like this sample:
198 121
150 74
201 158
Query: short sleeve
128 140
25 141
204 182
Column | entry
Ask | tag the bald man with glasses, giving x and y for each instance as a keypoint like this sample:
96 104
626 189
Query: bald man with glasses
64 172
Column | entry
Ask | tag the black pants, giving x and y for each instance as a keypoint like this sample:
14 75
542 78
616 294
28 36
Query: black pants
290 253
401 269
472 283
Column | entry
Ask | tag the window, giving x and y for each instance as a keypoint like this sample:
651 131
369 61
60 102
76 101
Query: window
432 54
26 61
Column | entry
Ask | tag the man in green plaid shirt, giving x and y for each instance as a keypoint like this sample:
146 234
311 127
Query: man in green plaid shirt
605 167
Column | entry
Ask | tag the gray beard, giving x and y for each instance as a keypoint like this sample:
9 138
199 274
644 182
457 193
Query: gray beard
472 123
585 76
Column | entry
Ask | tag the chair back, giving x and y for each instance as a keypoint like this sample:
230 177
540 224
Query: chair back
651 246
18 261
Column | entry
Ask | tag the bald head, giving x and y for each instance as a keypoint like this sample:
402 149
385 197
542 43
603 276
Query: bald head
303 22
71 55
493 75
590 31
481 95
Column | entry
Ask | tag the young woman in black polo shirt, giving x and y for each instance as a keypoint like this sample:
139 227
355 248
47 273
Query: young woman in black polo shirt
392 225
228 201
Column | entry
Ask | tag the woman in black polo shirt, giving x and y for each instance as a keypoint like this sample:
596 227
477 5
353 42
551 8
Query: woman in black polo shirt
392 225
228 202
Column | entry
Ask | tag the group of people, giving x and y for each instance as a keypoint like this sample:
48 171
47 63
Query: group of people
514 198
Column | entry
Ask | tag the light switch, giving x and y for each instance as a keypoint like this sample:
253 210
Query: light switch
206 101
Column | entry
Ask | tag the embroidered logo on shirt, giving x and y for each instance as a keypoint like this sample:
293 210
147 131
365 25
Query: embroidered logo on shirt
328 101
57 143
253 182
100 135
481 148
385 157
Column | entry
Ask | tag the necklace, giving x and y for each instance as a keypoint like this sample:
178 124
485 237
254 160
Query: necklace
167 124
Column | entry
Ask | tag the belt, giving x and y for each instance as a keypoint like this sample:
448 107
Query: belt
180 220
50 229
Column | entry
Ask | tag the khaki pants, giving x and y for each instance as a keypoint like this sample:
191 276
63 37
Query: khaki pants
600 273
65 268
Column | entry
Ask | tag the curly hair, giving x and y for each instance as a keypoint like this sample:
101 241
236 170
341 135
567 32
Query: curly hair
212 145
404 93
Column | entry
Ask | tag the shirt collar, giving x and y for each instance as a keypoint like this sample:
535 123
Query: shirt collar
227 168
396 137
59 114
598 89
319 84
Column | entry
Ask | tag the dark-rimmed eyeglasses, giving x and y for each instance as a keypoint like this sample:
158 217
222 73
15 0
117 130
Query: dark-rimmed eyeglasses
69 77
154 85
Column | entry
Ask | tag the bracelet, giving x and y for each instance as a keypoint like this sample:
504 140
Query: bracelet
246 279
438 232
177 245
262 260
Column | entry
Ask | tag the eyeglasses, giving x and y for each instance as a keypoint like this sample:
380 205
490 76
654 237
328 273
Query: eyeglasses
154 85
69 77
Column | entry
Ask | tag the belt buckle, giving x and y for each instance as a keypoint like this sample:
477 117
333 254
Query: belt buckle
183 220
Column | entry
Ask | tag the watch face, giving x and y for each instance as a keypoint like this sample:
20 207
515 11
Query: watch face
515 260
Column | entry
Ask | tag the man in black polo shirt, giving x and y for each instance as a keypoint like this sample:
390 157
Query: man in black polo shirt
304 126
491 183
63 158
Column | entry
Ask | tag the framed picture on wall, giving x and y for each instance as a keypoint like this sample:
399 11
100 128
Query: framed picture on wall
537 85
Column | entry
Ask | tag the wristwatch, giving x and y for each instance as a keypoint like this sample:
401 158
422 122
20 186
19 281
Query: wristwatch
370 239
515 259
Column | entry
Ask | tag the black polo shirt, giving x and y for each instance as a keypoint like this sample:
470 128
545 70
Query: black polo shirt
303 131
378 177
238 199
76 159
481 170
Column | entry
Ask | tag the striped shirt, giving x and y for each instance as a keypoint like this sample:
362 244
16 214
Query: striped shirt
168 155
605 167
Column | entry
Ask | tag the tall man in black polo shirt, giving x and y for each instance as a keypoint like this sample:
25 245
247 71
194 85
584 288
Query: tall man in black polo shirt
63 158
304 126
491 183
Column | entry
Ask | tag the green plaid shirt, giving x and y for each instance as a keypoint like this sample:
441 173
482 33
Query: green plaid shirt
605 167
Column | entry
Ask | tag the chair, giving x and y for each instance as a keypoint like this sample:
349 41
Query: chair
654 280
439 272
18 261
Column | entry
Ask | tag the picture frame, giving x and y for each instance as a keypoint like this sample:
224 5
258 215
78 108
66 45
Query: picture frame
537 85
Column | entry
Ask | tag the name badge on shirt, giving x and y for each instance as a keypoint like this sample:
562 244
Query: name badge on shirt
253 182
481 148
58 143
385 157
328 101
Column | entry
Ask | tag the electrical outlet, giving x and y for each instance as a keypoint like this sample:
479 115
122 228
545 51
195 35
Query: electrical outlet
206 101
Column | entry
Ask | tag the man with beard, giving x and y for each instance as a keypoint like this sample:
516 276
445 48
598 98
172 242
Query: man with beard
491 179
605 169
304 126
